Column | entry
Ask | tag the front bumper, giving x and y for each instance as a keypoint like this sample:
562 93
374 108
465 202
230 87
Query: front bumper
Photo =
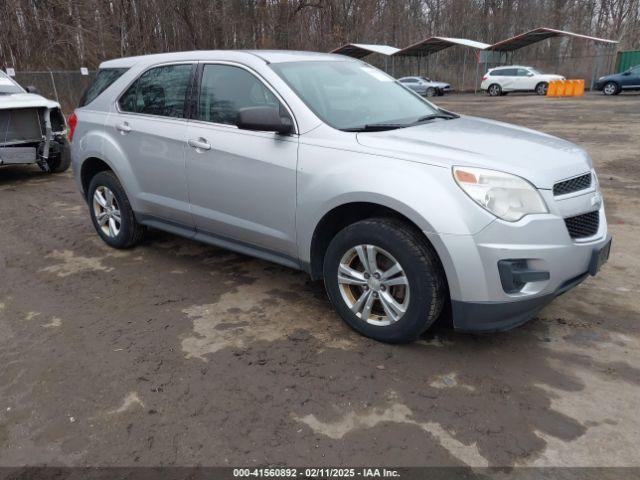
478 297
486 317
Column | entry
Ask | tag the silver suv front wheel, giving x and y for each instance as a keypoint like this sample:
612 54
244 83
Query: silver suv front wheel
373 285
384 279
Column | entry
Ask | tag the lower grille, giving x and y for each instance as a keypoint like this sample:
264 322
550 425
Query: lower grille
582 226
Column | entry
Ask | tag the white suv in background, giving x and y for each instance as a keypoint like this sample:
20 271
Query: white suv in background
502 80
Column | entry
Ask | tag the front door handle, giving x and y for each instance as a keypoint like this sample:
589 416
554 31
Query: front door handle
123 127
199 143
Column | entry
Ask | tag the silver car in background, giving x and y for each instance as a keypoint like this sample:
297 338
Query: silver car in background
323 163
425 86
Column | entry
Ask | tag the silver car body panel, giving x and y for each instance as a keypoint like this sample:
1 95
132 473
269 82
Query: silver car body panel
264 194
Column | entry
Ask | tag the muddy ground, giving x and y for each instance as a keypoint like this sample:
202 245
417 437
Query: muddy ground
176 353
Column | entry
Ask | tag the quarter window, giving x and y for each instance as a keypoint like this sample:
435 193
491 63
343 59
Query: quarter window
160 91
103 80
226 89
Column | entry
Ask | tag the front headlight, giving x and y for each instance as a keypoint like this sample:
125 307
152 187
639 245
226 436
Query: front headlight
506 196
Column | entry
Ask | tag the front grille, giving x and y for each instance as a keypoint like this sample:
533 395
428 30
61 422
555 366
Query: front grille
572 185
585 225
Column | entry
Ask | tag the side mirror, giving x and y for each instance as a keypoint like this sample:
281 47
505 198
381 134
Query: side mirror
32 89
529 74
628 72
264 119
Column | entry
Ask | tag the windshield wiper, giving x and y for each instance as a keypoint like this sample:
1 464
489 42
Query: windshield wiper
376 127
446 116
381 127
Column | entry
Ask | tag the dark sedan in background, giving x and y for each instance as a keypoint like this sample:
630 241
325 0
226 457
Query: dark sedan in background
619 82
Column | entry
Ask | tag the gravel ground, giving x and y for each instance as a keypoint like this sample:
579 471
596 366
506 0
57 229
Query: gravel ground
176 353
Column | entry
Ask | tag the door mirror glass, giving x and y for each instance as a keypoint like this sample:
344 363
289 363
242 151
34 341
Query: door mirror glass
628 72
32 89
264 119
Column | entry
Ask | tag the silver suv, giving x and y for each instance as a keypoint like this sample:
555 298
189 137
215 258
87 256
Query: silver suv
323 163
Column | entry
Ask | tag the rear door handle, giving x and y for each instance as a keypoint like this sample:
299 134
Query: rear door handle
123 127
199 143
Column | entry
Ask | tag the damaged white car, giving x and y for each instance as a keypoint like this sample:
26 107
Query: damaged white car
32 129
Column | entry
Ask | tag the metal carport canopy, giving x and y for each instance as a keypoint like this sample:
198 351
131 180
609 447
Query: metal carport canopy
435 44
537 35
361 50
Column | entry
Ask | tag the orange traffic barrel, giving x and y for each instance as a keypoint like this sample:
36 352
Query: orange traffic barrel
552 88
560 88
578 91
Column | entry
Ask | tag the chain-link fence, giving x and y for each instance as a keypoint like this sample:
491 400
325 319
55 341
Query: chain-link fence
64 86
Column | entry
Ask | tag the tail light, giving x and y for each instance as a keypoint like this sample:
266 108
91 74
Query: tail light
484 78
72 121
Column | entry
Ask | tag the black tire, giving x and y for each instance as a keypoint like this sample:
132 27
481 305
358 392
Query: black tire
431 92
494 90
131 232
611 88
427 285
541 88
60 163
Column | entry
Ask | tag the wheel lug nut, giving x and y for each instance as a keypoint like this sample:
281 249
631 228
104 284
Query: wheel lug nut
366 275
376 275
383 288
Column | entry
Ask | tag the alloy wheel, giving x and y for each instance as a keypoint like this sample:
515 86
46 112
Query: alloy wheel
610 89
107 212
373 284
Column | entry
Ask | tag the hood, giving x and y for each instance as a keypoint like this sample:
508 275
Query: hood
25 100
613 76
540 158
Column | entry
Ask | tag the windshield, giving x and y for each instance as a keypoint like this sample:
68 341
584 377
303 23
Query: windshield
8 86
353 95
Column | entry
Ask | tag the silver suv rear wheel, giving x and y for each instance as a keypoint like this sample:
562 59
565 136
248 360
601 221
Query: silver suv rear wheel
107 211
111 212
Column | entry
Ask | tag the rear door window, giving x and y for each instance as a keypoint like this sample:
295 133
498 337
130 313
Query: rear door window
160 91
103 80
